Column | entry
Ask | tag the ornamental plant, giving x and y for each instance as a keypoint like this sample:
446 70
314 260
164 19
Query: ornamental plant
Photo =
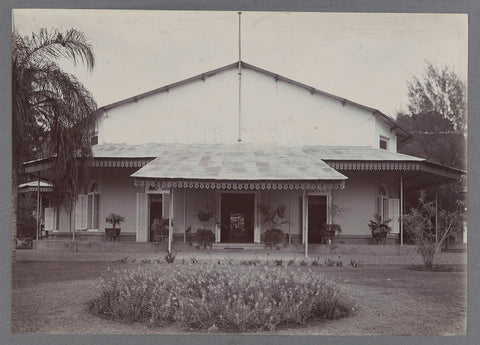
378 225
114 219
160 223
273 218
236 298
420 226
205 216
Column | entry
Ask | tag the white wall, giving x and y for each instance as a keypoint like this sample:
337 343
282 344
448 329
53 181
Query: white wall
382 129
272 113
360 197
118 194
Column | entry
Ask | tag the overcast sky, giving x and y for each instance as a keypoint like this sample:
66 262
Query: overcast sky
367 58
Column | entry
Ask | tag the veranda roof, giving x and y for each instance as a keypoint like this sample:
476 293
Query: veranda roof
240 164
297 162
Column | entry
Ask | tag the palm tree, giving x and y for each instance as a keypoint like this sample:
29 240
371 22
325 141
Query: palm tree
52 112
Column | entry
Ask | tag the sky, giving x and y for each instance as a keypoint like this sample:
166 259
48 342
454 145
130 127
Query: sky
365 57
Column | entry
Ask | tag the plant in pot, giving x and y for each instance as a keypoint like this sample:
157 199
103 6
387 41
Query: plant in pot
273 219
205 235
379 227
329 231
113 232
159 229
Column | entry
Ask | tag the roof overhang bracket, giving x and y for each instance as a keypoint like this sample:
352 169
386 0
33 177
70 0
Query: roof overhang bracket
344 102
276 77
312 90
203 77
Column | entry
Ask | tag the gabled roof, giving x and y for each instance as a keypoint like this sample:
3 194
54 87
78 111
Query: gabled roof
401 132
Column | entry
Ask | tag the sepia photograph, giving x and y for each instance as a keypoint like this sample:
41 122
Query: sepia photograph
239 173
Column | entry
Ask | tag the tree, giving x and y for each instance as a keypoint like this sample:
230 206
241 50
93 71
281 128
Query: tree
420 226
52 112
436 118
442 92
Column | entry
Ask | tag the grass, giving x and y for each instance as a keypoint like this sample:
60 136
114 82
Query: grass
51 297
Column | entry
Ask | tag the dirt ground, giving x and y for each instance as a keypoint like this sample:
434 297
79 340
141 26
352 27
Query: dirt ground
391 296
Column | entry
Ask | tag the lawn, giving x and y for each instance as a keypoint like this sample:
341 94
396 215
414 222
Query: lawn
51 297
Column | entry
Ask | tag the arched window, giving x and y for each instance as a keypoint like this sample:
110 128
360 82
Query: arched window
382 206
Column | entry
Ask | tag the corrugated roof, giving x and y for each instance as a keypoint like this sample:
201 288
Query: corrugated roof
128 151
353 153
236 162
357 153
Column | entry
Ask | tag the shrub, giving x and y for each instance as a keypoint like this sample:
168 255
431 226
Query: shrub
170 256
278 262
123 260
316 262
234 298
355 263
420 226
193 260
274 236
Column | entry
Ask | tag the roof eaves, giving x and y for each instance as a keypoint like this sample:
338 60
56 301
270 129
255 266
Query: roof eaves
166 88
340 99
276 76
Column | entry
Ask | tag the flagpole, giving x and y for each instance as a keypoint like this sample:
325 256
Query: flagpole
239 78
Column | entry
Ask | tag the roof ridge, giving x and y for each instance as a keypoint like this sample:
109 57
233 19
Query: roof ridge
276 76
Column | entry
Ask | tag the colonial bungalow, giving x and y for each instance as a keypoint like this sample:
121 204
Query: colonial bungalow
237 137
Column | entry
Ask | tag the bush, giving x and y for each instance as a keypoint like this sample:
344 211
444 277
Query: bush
274 236
234 298
170 256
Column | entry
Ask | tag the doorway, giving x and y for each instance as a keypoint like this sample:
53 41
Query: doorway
156 211
317 217
237 217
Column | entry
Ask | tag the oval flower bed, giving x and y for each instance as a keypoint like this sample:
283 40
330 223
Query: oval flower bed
225 298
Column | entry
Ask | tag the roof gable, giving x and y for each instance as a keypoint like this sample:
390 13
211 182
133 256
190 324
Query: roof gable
344 101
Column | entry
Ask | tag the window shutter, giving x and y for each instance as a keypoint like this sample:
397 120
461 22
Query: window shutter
81 212
394 213
142 217
96 206
256 231
49 218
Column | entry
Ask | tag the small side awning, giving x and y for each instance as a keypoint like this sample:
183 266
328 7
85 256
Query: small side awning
239 166
45 187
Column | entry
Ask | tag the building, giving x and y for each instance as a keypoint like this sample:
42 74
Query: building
231 139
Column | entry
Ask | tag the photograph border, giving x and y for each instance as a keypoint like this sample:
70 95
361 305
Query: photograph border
470 7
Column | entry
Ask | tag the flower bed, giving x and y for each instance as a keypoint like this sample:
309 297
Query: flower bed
227 298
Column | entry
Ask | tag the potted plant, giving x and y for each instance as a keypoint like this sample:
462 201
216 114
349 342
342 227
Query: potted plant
379 227
205 235
329 231
113 232
273 219
159 229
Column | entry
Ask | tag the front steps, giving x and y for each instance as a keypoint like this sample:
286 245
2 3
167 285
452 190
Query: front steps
247 248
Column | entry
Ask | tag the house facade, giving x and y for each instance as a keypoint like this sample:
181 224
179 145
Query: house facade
236 138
